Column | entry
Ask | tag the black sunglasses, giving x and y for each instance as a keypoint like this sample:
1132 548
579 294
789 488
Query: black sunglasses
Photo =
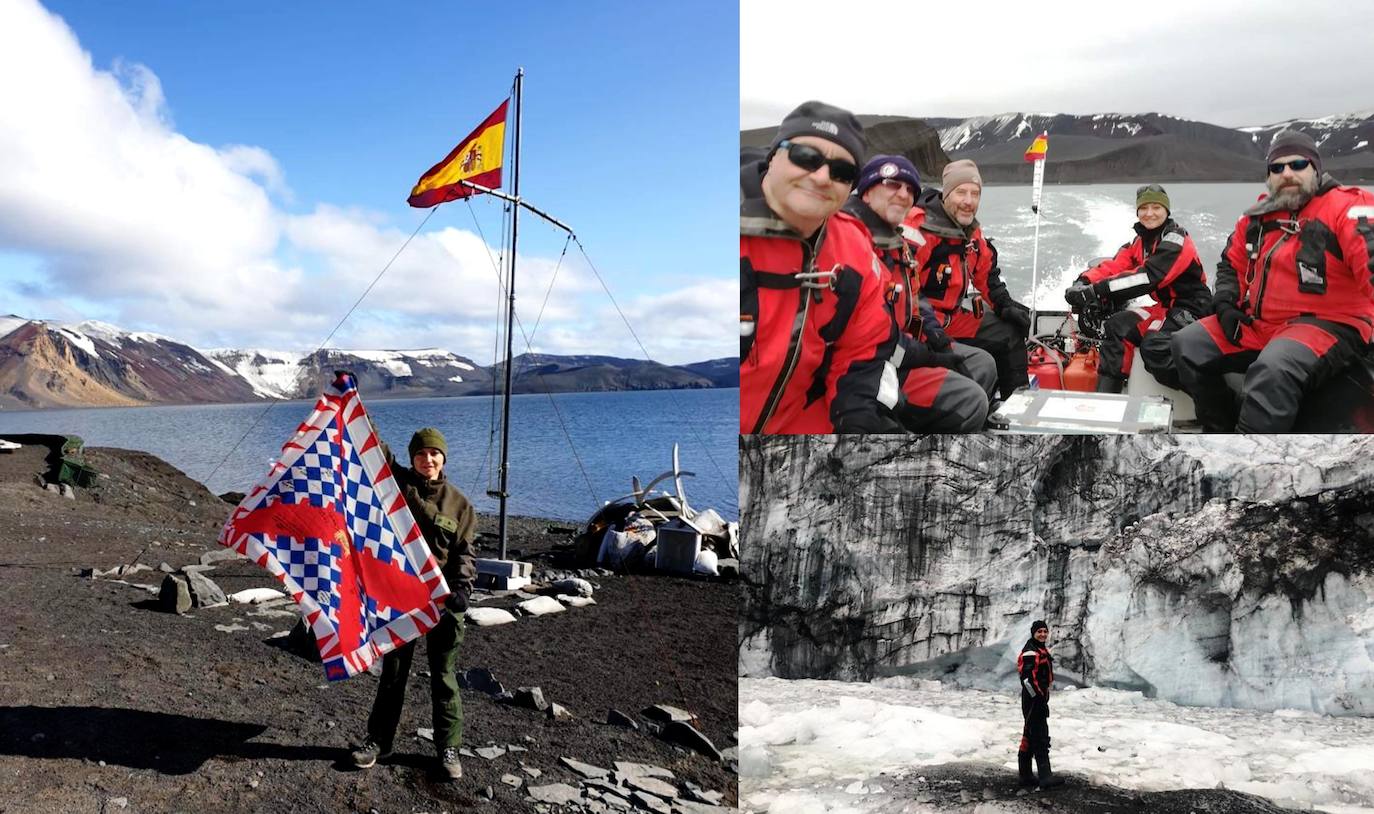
811 159
1298 165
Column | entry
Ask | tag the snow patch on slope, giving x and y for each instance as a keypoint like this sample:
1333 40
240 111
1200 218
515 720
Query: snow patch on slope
272 374
80 340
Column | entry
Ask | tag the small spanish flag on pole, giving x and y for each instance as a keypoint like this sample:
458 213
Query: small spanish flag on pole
1038 148
477 160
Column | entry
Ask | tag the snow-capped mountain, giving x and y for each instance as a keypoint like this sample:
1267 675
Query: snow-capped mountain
287 374
958 136
88 364
91 364
1342 135
1128 146
1109 147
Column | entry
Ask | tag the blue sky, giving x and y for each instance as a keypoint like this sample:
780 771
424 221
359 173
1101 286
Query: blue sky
234 174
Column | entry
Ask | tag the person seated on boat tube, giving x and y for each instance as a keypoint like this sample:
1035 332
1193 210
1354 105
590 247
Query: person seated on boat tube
957 267
1294 303
816 339
449 525
936 375
1160 261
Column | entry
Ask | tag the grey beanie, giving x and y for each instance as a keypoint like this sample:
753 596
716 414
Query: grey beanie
959 172
1294 142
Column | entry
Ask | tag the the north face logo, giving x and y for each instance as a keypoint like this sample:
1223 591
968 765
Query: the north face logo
827 127
1308 274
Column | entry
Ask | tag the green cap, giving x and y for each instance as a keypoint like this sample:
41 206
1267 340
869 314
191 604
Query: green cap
1152 193
428 437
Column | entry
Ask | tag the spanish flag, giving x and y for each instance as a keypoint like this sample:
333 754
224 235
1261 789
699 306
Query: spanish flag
476 159
1038 148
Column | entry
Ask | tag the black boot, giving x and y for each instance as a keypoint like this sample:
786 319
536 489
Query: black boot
1047 778
1023 762
1109 384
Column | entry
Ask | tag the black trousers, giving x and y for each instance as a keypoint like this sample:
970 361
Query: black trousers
1035 736
1008 349
1282 362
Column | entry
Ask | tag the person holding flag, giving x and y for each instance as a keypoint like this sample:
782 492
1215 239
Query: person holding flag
1161 261
448 523
960 278
376 554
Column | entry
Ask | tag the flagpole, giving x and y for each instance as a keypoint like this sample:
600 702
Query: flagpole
503 493
1037 184
1035 256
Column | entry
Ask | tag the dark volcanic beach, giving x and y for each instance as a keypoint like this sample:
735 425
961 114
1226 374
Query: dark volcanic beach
110 704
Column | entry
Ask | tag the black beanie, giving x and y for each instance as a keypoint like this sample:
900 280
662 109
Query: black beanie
1294 142
828 122
1037 624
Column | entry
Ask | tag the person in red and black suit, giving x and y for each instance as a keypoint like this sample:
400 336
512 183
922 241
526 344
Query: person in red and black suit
946 386
816 338
1294 302
960 276
1161 261
1036 669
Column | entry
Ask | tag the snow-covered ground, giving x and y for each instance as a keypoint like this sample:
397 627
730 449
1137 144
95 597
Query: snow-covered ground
817 747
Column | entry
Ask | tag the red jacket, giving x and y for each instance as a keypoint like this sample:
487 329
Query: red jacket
1279 264
1163 263
951 259
1036 669
816 338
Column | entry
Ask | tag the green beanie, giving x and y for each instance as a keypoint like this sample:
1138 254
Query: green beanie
1152 193
428 437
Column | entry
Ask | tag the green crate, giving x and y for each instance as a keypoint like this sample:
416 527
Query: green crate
76 473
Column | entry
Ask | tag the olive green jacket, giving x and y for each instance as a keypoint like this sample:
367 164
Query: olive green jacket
446 519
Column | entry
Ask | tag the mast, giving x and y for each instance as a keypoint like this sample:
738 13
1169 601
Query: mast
503 492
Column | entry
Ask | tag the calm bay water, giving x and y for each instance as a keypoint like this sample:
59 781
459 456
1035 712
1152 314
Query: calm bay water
1081 222
614 435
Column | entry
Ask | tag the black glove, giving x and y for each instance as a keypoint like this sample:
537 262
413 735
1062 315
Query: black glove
457 601
937 339
1080 294
919 354
1017 315
1230 317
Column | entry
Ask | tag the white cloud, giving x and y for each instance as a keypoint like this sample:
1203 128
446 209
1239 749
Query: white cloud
1227 62
134 223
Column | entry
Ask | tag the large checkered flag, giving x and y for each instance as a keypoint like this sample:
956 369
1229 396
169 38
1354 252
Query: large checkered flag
330 522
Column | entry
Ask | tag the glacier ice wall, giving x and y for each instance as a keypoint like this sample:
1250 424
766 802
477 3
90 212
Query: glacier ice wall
1215 571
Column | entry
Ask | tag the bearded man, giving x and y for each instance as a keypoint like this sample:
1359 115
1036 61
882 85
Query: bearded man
1294 302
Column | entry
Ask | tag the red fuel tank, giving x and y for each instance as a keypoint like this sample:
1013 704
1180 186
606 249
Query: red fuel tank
1043 365
1081 372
